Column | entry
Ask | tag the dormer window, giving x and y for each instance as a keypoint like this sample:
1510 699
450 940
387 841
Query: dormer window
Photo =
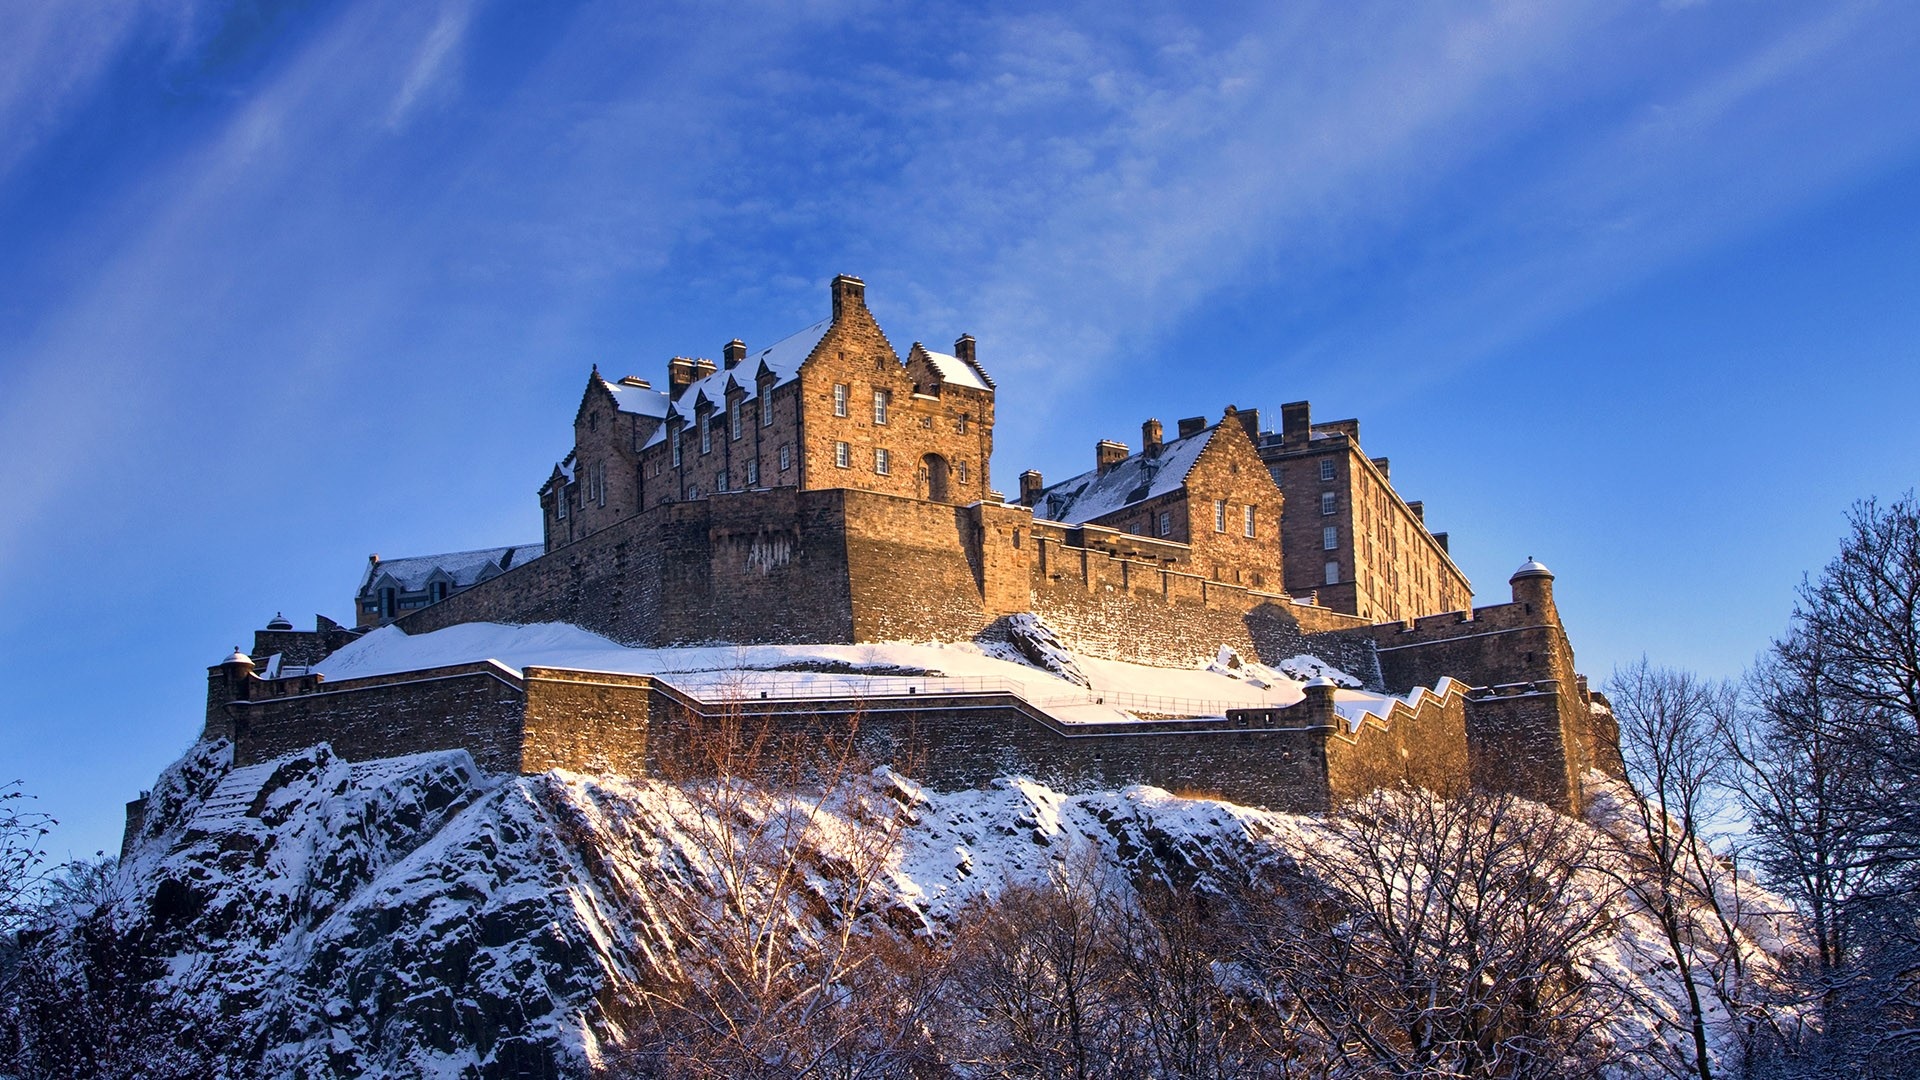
436 591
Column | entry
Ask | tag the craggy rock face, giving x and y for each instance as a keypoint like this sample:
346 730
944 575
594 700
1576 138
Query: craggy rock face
410 916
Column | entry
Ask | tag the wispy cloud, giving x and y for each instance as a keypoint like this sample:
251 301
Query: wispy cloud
437 60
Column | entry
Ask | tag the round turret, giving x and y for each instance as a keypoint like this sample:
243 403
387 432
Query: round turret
279 622
1533 586
238 663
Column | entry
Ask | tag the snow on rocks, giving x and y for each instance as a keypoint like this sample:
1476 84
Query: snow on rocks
1036 641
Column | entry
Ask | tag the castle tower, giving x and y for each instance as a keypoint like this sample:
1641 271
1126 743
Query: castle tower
1533 586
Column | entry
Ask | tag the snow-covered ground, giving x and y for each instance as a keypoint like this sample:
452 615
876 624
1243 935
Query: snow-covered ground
1117 690
416 916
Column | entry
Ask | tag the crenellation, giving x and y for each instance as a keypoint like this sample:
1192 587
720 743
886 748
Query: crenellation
827 490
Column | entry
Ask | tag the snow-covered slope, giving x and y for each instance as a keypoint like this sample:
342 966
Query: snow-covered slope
416 917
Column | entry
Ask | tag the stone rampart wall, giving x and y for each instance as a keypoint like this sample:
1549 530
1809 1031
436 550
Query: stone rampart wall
475 707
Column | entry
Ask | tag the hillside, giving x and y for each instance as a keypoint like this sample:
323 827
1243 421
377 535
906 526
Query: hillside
417 917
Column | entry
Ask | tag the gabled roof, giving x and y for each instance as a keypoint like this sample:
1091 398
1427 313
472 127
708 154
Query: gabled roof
954 370
782 360
1136 479
464 568
638 400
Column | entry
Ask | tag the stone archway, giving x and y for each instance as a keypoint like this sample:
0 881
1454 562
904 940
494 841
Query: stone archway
936 479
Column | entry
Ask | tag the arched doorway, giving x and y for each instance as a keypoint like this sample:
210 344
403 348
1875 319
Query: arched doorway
935 479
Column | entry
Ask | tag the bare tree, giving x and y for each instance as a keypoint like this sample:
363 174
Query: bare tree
1036 976
23 834
779 960
1430 936
1672 726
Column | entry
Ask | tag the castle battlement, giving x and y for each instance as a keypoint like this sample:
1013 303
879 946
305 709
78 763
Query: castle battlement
826 490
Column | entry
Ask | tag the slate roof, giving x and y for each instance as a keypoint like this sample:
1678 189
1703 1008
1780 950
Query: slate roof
1134 480
956 371
412 573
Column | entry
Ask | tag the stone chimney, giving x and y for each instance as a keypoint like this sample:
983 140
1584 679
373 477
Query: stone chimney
1107 454
1250 419
679 376
1192 425
734 352
1150 438
703 367
849 292
1296 423
636 382
963 348
1419 511
1030 487
1385 467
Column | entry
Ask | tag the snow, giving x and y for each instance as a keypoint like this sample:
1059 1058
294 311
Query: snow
1114 690
954 371
412 573
638 400
369 917
1093 495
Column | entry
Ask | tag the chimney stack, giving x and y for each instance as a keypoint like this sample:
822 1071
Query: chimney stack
1386 472
1030 486
734 352
1296 423
1419 511
848 292
1107 454
679 376
1250 419
963 348
1192 425
1150 438
636 382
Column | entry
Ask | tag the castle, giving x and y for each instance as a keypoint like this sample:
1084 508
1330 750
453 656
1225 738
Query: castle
828 489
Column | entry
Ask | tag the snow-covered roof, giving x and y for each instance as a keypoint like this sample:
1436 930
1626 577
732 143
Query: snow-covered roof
464 568
1532 568
1138 478
638 400
955 371
782 359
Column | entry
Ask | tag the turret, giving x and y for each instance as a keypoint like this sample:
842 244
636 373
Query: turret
1533 586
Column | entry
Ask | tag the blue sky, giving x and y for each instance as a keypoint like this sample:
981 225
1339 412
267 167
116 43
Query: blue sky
1625 286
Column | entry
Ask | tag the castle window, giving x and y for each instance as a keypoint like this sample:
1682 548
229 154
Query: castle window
1251 511
766 407
1276 474
1166 523
882 462
1219 515
842 455
1333 573
436 591
1330 538
1326 469
961 468
960 425
733 421
839 399
706 437
1329 502
593 421
720 482
673 436
786 457
753 474
881 399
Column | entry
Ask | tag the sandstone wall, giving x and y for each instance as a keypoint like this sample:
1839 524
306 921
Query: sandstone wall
477 707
